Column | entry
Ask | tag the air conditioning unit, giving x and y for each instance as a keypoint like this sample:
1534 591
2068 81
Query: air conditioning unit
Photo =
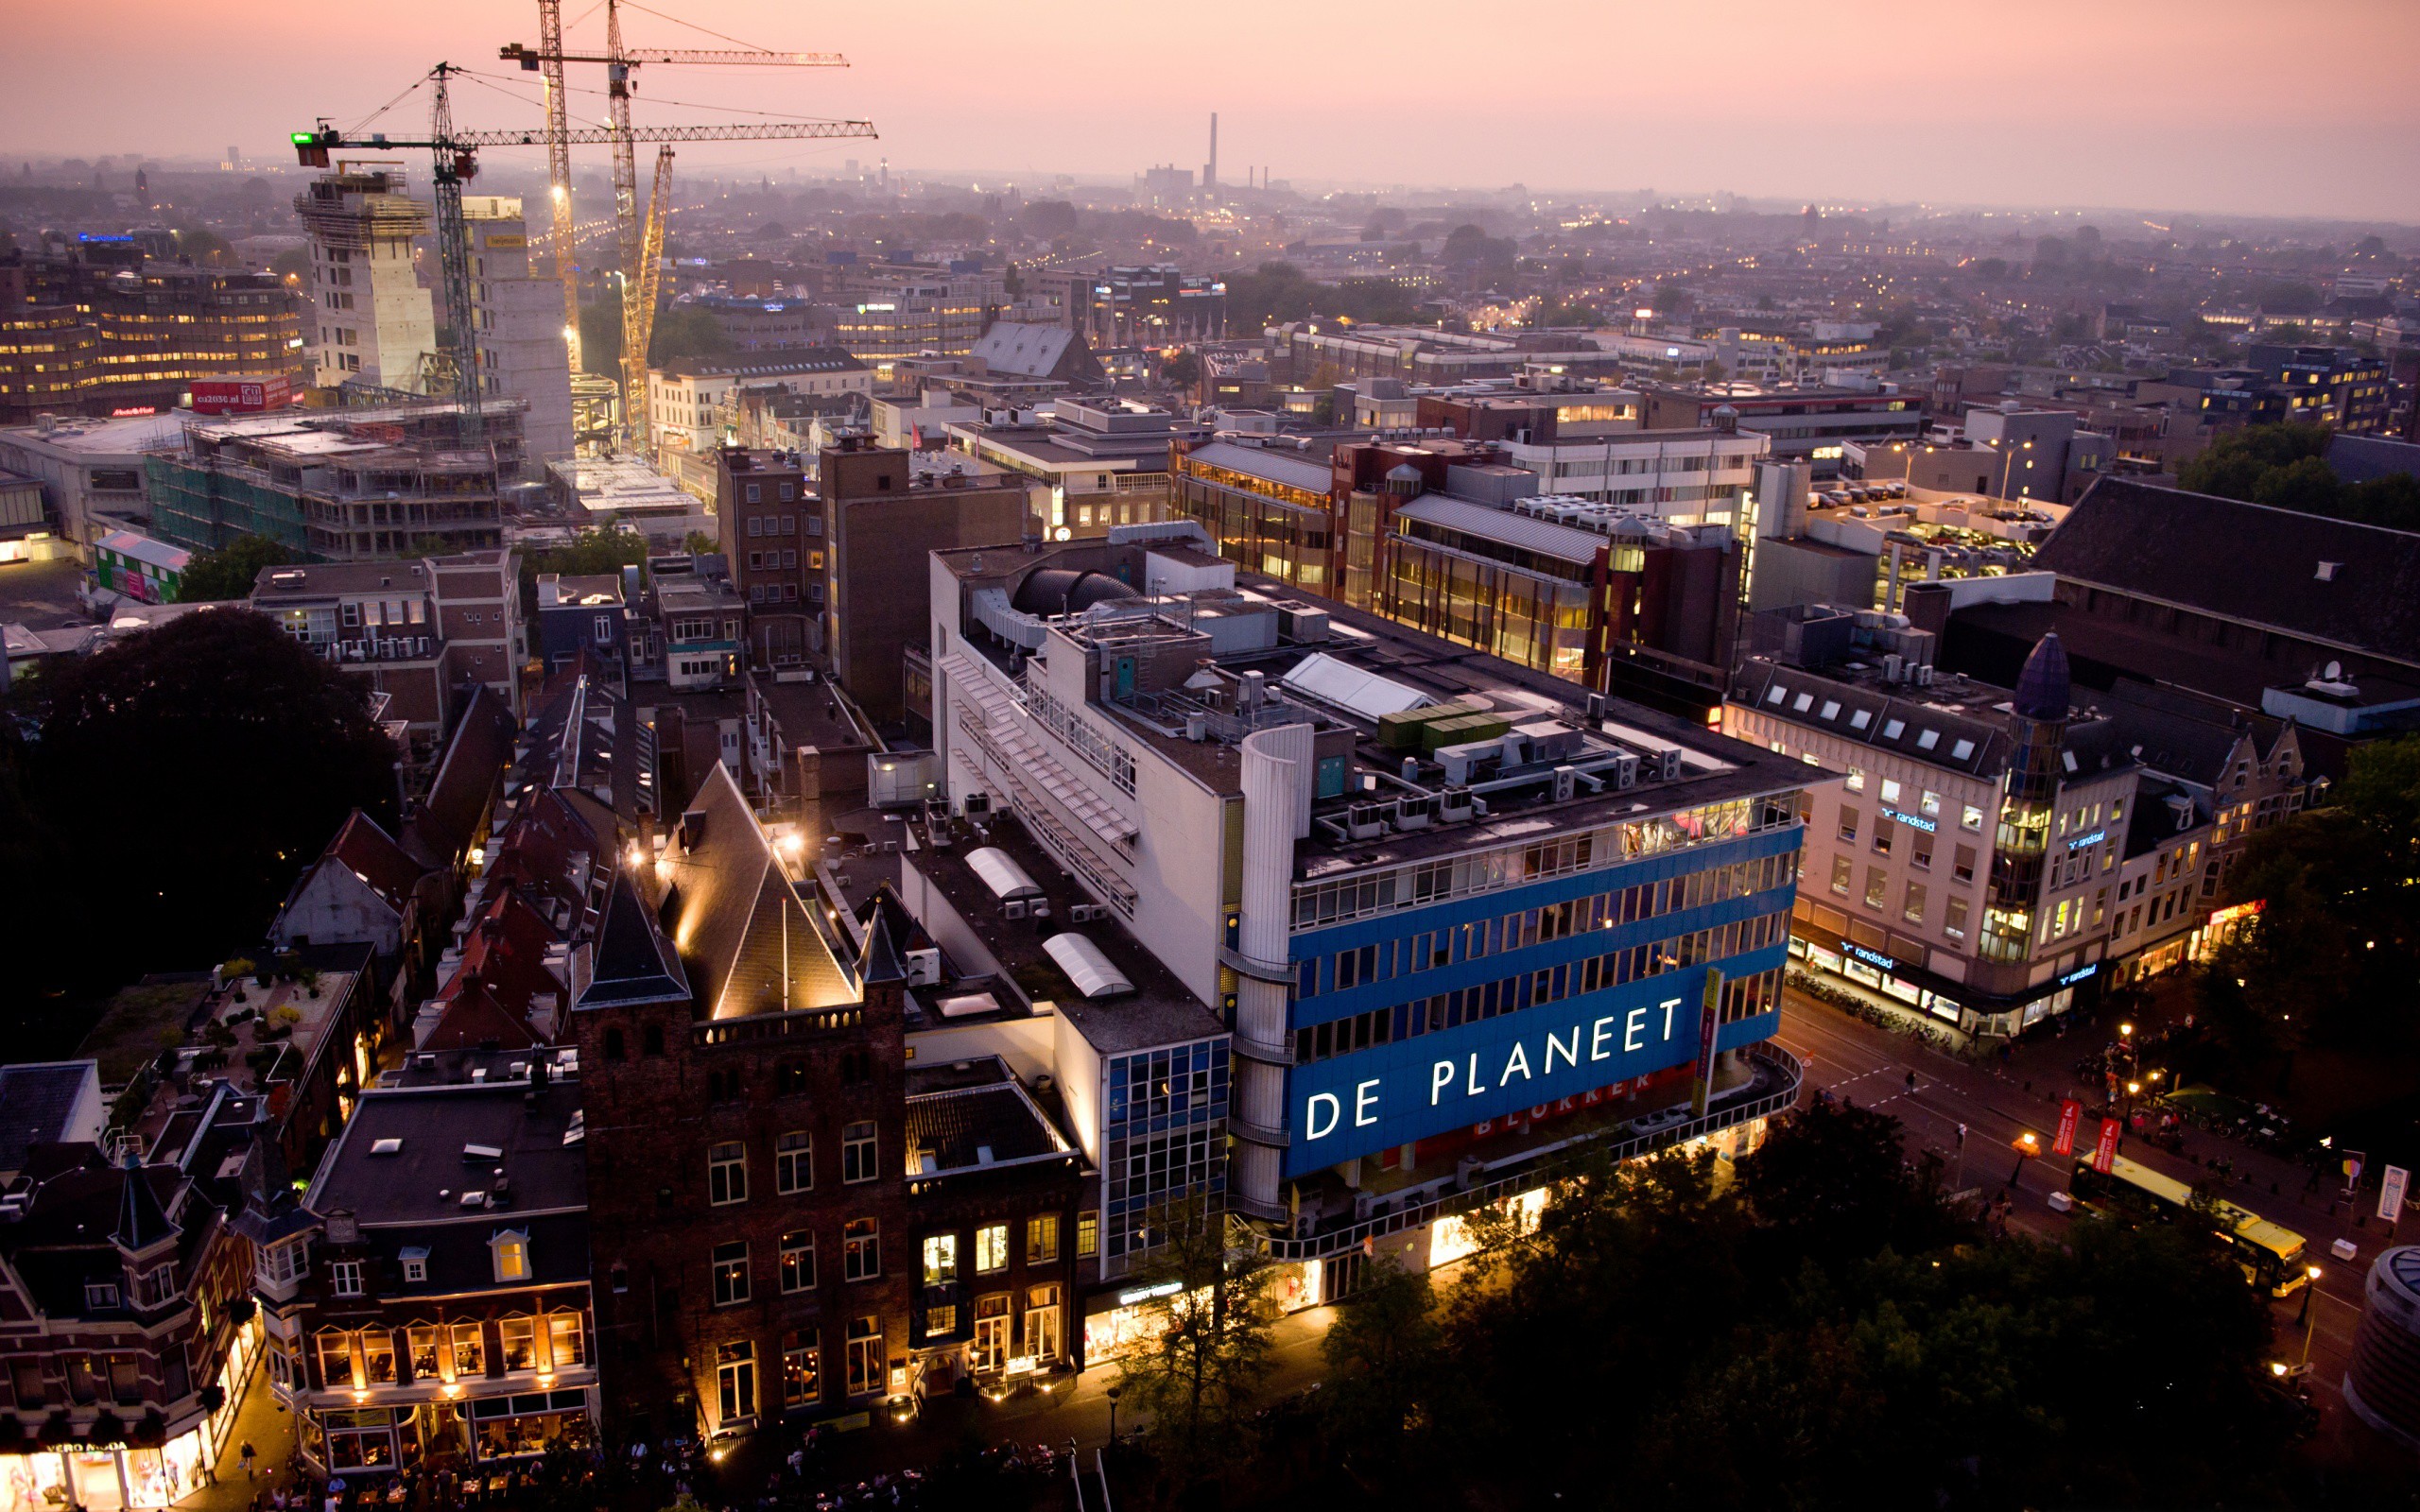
1086 912
976 803
1041 908
1014 908
1623 773
924 967
1365 821
1566 782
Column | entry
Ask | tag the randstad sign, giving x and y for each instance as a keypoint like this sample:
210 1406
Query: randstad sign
1430 1083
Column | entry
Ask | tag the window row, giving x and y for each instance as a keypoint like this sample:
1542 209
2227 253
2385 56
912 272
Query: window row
793 1162
1478 938
991 1249
991 1334
1488 1000
355 1359
731 1273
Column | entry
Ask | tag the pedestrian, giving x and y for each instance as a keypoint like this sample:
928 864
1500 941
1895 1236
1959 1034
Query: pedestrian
247 1453
1911 1081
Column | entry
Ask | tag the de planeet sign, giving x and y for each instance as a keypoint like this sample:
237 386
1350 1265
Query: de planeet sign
1413 1089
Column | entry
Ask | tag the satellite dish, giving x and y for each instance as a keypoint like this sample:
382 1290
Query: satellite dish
2333 672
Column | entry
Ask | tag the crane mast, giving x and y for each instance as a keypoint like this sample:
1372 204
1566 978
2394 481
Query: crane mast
550 44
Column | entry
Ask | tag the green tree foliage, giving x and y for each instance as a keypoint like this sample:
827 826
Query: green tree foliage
184 776
600 335
589 554
1182 370
205 247
230 571
2335 951
1277 292
1467 245
1817 1333
687 331
1206 1346
2286 467
1048 217
293 265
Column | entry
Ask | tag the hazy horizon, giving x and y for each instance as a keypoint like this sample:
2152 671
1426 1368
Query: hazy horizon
2226 107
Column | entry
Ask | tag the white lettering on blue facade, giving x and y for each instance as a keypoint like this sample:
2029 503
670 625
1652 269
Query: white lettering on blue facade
1518 1061
1335 1109
1365 1097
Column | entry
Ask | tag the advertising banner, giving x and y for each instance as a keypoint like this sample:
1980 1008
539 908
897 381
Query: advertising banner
2104 1154
2069 1111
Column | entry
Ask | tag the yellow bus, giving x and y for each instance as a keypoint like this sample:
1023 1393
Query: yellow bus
2272 1256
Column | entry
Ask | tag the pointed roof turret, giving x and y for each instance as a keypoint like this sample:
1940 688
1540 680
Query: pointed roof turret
142 1224
2044 688
880 961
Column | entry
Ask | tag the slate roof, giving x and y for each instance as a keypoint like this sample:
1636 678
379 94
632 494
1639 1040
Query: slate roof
35 1104
421 1181
1018 350
467 776
2246 563
966 1127
471 1017
631 961
747 941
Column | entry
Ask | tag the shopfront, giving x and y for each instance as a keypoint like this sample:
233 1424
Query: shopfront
1911 986
374 1438
45 1478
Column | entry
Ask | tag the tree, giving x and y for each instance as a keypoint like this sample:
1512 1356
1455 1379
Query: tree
1207 1344
206 248
292 266
198 766
687 331
1833 1180
600 335
1467 245
1048 217
230 571
1182 370
589 554
1384 1371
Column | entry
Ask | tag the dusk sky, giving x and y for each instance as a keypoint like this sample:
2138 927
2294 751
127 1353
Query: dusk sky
2215 105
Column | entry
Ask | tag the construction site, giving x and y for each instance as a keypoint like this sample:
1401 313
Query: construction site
424 295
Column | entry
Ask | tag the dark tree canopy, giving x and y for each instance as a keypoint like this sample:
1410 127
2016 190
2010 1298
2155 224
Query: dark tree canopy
184 776
2285 467
230 571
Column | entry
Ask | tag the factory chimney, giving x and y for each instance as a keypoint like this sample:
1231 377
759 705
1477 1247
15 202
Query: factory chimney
1210 169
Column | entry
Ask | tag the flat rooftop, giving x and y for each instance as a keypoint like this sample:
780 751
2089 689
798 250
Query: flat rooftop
1344 670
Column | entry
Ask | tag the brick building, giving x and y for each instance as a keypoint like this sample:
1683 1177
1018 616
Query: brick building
771 533
746 1133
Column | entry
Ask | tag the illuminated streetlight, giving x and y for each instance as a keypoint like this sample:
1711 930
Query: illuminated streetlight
2028 1144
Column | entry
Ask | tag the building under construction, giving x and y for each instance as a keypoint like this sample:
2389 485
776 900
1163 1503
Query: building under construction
372 321
344 484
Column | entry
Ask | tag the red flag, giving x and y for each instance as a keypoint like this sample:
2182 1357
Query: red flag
2069 1111
2104 1154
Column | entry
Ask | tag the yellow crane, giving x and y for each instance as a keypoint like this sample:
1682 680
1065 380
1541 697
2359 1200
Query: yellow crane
638 315
548 58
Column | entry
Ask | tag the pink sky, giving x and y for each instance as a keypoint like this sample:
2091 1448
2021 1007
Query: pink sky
2216 105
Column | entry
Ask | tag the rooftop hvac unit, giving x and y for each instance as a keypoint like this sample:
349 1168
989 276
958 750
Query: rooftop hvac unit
1461 762
1013 909
1454 805
1085 913
1566 781
1624 771
1364 822
924 967
1549 740
1415 813
1041 908
976 803
1924 675
1667 764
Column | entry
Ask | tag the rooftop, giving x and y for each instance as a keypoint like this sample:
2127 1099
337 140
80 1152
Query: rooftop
767 362
412 1155
977 1118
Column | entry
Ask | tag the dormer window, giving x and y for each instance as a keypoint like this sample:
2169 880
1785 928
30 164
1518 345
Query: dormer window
415 1266
284 1264
100 1296
511 1248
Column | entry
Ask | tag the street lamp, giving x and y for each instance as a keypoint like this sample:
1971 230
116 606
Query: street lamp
1113 1416
2311 1284
2029 1144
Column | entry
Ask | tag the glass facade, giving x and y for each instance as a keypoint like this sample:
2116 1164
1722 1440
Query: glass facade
1537 613
1261 524
1164 1140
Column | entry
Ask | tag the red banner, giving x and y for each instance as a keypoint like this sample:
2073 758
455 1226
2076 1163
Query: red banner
2069 1111
2104 1154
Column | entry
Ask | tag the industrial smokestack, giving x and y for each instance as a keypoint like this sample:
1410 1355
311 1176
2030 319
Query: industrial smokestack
1210 169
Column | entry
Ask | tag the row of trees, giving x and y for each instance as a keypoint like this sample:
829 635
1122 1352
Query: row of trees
2286 467
1813 1328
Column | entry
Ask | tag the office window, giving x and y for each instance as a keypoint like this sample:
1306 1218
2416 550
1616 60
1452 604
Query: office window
793 1162
1962 864
1920 850
727 1173
1891 790
730 1271
1041 1238
941 1258
1843 874
344 1277
1953 919
992 1248
1087 1234
1855 782
857 1151
1878 883
860 1249
1848 822
1930 804
1882 837
1914 908
1971 818
798 1262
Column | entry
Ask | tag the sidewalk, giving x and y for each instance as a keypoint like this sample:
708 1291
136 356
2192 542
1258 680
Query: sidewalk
260 1422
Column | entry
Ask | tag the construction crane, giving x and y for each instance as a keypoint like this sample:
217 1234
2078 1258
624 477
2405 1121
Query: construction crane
638 322
548 58
456 368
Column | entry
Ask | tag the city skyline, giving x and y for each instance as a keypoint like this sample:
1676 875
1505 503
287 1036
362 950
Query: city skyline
1866 104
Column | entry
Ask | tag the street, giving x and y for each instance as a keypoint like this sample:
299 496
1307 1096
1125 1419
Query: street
1868 1065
